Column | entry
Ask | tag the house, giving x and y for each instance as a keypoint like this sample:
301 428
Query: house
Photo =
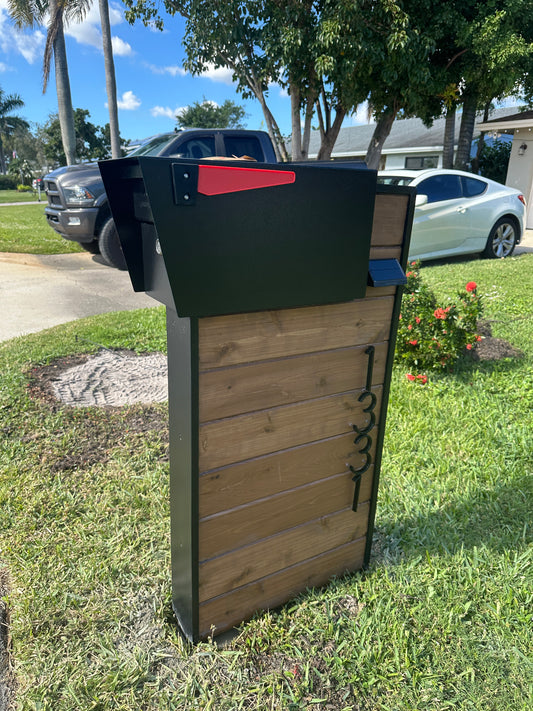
410 144
520 170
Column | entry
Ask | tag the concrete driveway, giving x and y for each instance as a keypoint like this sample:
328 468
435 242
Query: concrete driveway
39 291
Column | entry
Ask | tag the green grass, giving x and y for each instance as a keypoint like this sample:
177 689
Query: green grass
442 619
24 229
15 196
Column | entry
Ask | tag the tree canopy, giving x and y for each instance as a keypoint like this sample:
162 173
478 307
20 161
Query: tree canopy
9 122
208 114
92 142
405 57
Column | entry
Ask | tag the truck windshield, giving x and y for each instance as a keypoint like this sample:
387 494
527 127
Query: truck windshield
154 146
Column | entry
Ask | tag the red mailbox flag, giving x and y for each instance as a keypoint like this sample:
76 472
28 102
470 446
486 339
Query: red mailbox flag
217 179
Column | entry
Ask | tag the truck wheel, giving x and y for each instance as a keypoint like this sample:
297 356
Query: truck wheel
91 247
109 244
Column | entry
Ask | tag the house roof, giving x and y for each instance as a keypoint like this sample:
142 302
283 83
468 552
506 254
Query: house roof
509 123
407 135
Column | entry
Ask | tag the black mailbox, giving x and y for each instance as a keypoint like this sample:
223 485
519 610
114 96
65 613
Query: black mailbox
283 287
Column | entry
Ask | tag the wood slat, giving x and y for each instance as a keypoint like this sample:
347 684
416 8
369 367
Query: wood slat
237 390
246 565
248 524
390 212
264 335
226 611
238 438
386 253
240 484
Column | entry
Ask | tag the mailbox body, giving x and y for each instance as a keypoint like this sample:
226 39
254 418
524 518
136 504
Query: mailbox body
279 357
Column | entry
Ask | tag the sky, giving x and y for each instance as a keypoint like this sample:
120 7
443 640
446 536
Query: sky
151 82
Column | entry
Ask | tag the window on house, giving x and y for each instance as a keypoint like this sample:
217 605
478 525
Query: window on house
421 162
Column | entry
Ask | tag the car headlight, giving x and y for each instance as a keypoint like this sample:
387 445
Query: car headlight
78 196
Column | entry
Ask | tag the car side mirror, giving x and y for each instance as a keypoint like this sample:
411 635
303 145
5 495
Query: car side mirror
421 200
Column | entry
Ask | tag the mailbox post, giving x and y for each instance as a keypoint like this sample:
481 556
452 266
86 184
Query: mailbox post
283 286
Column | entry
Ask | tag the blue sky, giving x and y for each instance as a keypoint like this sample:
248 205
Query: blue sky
151 82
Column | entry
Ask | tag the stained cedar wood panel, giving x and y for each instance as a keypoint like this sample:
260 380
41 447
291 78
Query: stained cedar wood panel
278 395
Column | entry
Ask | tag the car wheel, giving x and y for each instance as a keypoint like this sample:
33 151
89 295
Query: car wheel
91 247
110 248
502 239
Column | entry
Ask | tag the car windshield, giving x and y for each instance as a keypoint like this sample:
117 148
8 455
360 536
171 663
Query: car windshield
394 180
154 146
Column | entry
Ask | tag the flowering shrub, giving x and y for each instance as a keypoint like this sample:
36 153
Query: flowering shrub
432 337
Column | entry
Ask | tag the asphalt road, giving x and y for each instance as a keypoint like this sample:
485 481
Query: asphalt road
37 292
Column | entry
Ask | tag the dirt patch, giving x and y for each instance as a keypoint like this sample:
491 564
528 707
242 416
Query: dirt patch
490 348
113 378
99 429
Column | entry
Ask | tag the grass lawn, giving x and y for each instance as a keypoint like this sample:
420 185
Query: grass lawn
24 229
15 196
442 619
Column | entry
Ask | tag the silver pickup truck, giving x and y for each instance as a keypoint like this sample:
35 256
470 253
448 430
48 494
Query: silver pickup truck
78 208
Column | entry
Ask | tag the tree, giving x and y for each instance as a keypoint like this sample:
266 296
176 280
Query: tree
8 122
296 44
207 114
92 143
29 13
21 169
485 53
110 79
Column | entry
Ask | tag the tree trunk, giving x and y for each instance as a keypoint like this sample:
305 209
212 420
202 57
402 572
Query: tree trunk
449 138
330 136
296 124
3 167
64 99
110 79
466 133
481 141
380 135
307 127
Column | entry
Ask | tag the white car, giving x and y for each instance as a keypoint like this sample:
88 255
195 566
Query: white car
460 213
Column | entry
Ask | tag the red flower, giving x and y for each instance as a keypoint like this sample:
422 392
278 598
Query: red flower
478 338
422 379
441 313
410 327
414 342
410 377
468 346
471 286
418 319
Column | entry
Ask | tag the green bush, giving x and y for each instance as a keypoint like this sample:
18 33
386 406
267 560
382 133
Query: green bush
24 188
432 337
494 160
8 182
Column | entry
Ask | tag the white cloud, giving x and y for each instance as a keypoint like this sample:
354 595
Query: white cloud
88 32
4 67
31 46
361 117
30 43
172 70
121 48
165 111
129 102
219 74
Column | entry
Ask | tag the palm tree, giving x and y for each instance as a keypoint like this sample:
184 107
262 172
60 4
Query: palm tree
8 123
110 81
29 13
